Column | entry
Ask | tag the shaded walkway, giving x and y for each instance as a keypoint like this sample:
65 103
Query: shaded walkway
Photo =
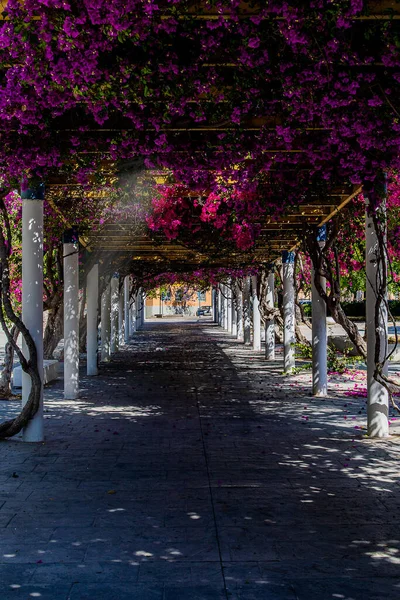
190 469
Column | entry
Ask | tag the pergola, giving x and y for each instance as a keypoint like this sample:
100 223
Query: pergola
120 249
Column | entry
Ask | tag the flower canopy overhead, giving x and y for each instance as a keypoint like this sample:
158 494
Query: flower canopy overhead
282 102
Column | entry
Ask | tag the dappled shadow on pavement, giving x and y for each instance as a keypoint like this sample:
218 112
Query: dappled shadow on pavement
191 469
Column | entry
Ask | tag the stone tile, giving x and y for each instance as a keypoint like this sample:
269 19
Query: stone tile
121 591
194 593
22 591
86 572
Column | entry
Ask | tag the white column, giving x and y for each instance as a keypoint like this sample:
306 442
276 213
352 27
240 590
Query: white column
239 313
224 307
378 400
219 307
92 286
120 319
71 314
234 310
229 309
114 313
106 323
246 311
288 311
32 298
141 307
126 309
256 316
133 313
270 324
319 331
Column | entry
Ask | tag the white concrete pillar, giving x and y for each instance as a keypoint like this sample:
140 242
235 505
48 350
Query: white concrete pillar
32 297
224 292
126 309
133 314
220 307
378 399
106 324
120 318
71 314
92 314
319 331
246 311
239 313
229 309
234 310
114 290
214 302
256 316
288 311
141 307
270 323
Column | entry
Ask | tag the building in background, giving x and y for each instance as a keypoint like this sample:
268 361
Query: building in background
178 300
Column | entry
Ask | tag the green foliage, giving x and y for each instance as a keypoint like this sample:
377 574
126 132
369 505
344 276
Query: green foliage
336 361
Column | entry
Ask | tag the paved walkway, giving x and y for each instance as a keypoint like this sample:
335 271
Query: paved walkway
192 470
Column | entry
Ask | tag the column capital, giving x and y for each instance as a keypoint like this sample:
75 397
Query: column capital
71 236
31 191
321 233
287 256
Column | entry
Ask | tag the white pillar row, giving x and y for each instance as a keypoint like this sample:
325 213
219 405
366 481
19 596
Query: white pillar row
239 312
126 309
319 331
120 317
114 290
270 323
256 316
71 314
378 399
229 309
288 311
92 313
32 298
246 311
106 323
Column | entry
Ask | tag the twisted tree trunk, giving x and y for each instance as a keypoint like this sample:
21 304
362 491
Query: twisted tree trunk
6 373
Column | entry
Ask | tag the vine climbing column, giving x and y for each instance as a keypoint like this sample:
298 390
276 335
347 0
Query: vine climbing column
376 315
32 297
288 311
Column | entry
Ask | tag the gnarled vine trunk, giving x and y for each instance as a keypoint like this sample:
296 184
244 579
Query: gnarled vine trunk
6 373
53 332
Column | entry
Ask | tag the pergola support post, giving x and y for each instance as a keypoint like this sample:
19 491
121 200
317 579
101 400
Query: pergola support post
106 323
92 285
71 314
256 316
234 311
378 398
288 311
239 313
120 317
229 309
246 311
32 298
270 323
114 344
126 309
319 331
